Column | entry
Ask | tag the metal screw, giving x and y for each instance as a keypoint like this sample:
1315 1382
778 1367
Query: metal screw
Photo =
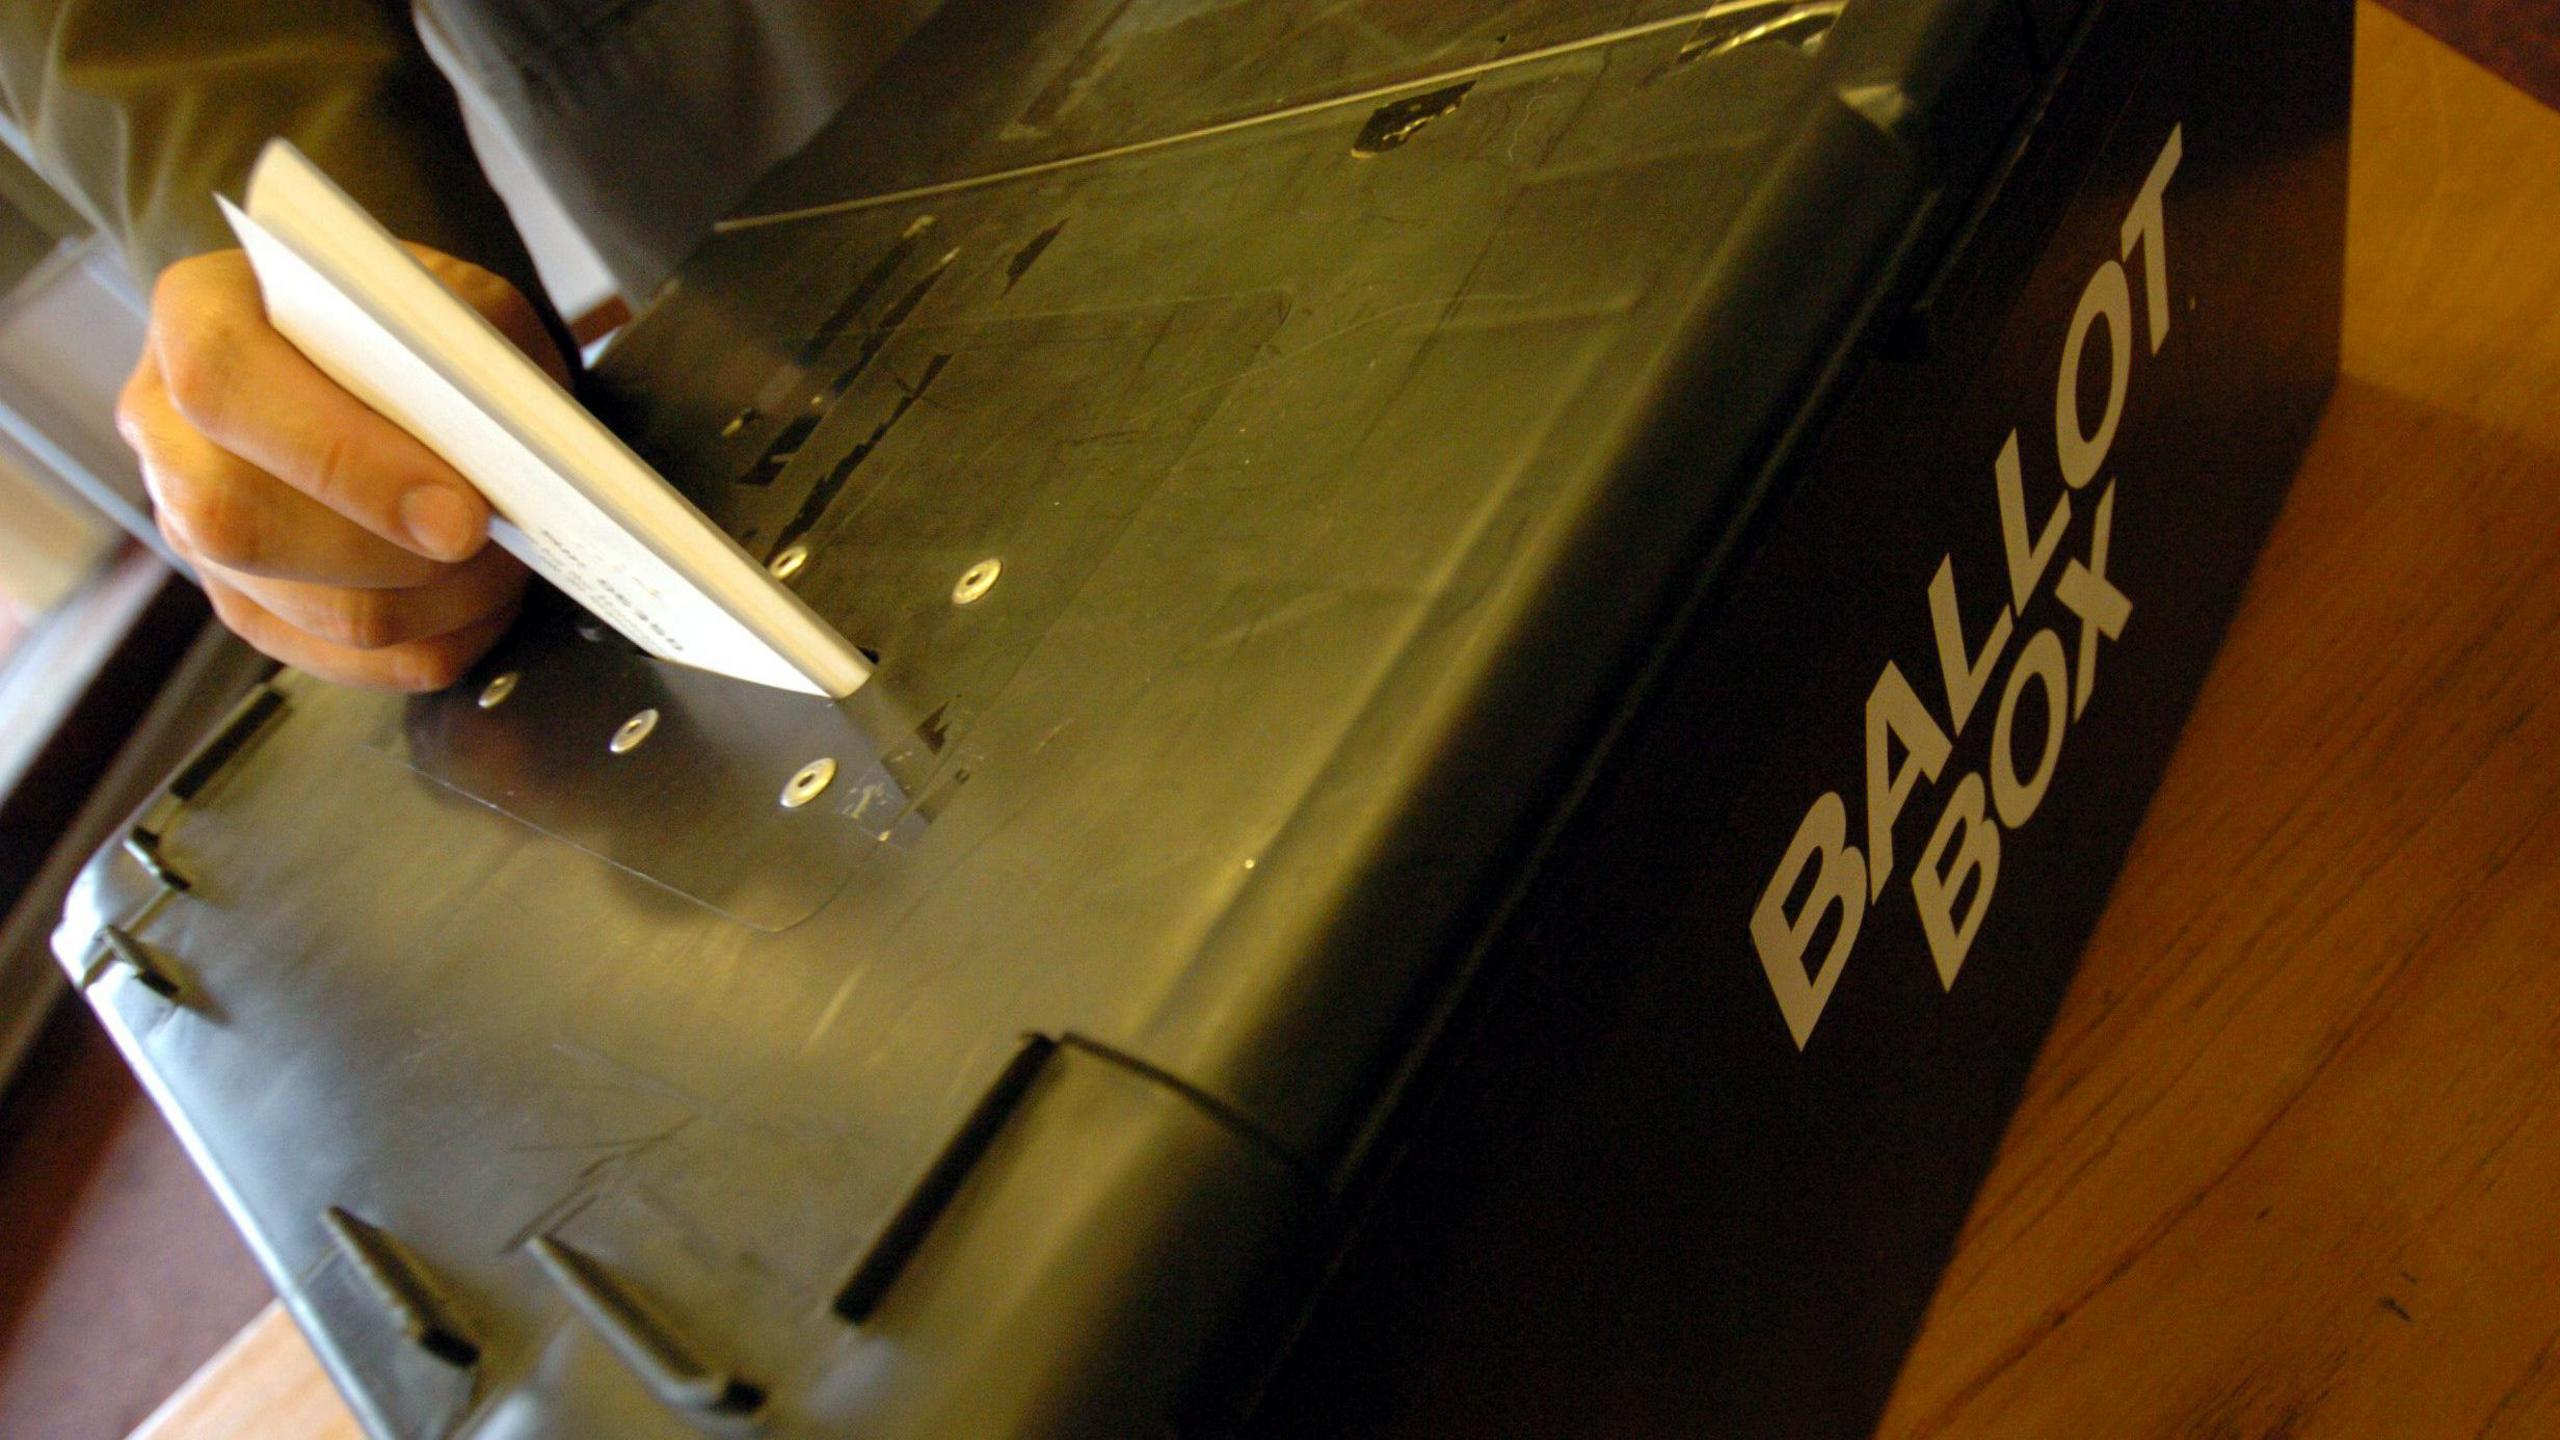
633 731
808 783
977 580
495 693
788 563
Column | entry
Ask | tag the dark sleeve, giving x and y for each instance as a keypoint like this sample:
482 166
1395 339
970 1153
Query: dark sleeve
139 110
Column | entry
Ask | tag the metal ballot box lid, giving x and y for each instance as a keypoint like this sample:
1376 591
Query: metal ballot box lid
1289 460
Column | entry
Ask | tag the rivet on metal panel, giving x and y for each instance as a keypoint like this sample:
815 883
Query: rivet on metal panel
787 563
977 580
495 693
809 782
397 1284
672 1371
633 731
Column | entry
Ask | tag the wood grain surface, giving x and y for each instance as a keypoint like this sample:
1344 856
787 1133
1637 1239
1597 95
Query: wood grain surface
265 1385
2288 1165
2519 39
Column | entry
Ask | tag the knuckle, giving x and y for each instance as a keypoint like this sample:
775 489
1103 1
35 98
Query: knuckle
217 525
227 610
338 469
473 283
133 406
508 308
425 667
496 298
223 540
359 620
166 489
176 536
240 620
177 284
196 370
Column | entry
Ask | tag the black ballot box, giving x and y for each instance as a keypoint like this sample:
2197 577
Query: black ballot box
1517 641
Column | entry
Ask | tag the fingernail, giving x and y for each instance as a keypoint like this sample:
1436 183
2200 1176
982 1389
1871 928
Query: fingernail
444 524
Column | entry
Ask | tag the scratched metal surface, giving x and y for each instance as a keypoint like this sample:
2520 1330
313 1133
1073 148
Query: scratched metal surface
1338 464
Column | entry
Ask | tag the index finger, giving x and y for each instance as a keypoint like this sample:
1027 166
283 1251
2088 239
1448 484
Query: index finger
250 391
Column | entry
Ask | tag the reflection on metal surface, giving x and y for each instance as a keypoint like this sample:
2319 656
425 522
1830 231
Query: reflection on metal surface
1086 412
809 782
1275 116
786 444
633 731
1801 23
788 563
814 505
1400 120
977 580
495 693
718 756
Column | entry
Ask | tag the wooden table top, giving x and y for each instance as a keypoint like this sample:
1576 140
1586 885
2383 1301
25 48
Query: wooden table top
2288 1163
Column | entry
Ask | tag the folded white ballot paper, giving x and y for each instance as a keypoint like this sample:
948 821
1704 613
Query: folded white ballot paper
573 502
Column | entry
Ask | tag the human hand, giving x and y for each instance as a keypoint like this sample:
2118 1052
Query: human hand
325 535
